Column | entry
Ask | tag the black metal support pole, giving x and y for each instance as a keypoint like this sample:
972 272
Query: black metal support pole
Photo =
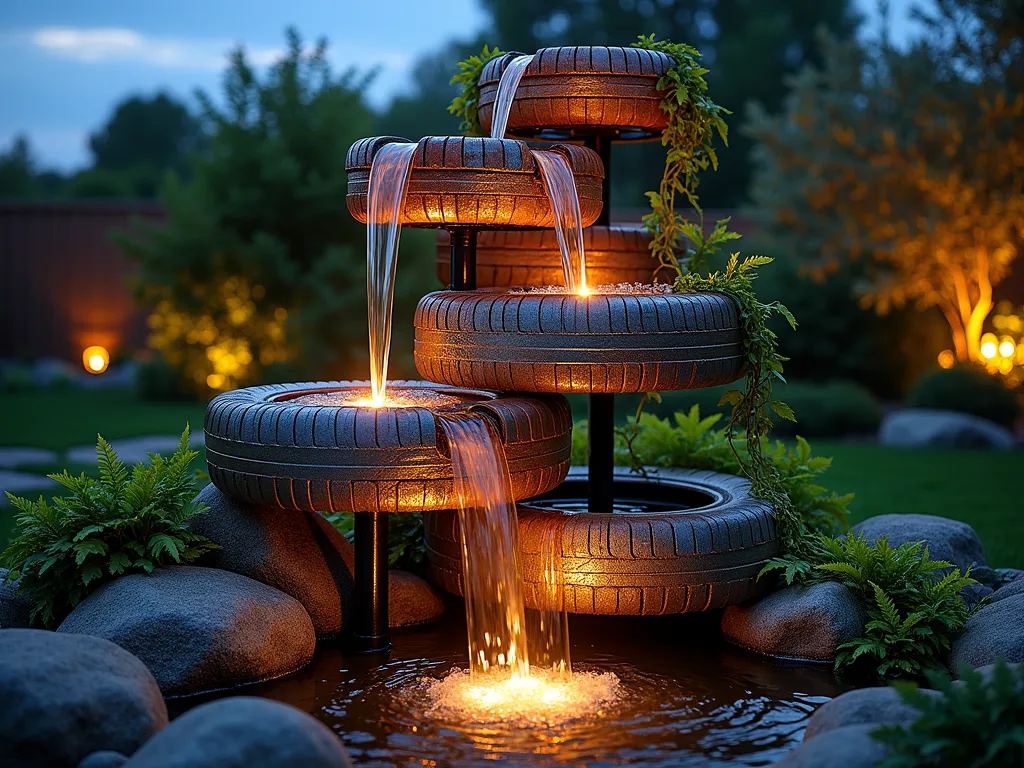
371 583
463 259
601 407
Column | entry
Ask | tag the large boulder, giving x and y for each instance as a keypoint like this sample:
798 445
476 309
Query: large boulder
996 630
243 732
15 607
806 623
299 553
849 747
949 540
199 629
863 706
918 427
65 696
411 600
1013 589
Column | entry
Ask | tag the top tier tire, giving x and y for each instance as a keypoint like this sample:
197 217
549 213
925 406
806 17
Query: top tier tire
614 255
582 90
472 181
544 342
264 448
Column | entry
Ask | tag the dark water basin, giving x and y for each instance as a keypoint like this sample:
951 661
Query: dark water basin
688 700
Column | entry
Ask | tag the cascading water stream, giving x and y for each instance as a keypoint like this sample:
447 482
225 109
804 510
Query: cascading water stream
507 86
565 204
385 197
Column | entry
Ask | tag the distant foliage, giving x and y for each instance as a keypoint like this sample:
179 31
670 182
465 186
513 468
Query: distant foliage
260 264
829 409
691 442
913 611
974 724
121 522
406 542
966 389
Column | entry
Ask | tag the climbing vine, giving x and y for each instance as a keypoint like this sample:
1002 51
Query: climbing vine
693 121
467 103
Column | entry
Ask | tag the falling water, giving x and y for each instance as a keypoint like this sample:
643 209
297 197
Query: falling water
548 625
506 92
565 204
389 178
492 585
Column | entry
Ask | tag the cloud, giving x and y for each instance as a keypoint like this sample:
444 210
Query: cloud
106 44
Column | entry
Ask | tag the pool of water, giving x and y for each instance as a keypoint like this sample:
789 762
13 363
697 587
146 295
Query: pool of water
685 699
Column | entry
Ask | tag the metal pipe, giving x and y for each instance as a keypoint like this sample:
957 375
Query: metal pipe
370 631
463 259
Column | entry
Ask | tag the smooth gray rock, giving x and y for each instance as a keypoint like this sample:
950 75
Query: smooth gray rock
299 553
919 427
806 623
20 483
973 594
103 759
863 706
1013 589
411 600
849 747
996 630
243 732
199 629
1009 575
15 456
15 608
986 576
949 540
66 696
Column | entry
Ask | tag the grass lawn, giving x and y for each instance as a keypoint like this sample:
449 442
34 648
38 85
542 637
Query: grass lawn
978 487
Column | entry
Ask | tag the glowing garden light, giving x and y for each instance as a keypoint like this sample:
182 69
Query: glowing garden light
989 346
96 359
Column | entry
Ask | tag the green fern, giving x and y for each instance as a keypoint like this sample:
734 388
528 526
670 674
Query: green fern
974 724
466 104
119 522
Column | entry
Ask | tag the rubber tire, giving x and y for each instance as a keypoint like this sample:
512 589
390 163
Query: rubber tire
503 259
263 449
472 181
536 342
636 564
582 90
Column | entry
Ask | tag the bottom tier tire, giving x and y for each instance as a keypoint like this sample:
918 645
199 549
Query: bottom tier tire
679 541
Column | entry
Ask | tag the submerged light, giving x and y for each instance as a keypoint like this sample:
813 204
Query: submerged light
95 359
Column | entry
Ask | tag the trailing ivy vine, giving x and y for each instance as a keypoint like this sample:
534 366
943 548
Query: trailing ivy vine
693 120
467 104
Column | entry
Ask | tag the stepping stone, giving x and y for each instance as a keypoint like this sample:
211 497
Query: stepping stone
17 456
21 482
133 450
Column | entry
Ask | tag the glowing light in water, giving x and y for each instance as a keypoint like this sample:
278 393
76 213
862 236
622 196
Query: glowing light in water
565 204
507 86
385 197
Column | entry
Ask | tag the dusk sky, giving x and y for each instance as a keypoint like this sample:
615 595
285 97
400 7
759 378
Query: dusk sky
65 63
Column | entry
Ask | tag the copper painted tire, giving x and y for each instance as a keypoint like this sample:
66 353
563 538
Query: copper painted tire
582 90
537 342
503 259
262 448
470 181
632 564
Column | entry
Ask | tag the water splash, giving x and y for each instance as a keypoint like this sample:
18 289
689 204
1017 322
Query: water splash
385 198
491 582
507 86
565 204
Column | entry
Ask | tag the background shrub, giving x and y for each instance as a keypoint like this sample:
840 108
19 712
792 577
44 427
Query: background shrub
828 409
967 390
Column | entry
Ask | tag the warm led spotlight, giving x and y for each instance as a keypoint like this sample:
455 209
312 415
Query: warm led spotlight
95 359
947 359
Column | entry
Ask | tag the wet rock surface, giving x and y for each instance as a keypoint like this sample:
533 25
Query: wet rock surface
411 600
997 630
104 759
849 747
299 553
65 696
243 732
1013 589
921 427
864 706
797 622
949 540
199 629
